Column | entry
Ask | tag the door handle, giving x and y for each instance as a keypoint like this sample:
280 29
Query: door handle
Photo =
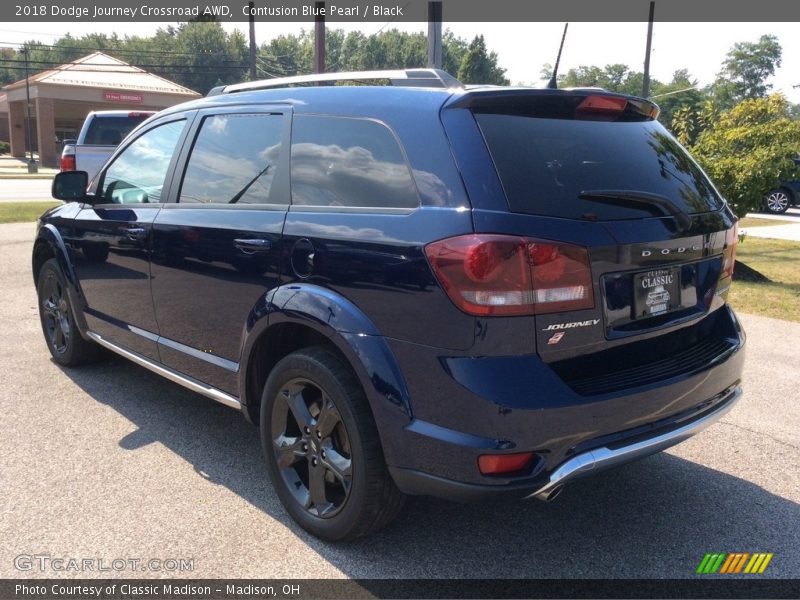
252 246
135 233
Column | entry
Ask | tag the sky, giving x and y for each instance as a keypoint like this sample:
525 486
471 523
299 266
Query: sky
523 48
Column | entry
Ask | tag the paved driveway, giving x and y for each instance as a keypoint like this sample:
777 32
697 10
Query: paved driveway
110 461
25 190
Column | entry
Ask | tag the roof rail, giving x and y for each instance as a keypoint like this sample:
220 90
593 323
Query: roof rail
433 78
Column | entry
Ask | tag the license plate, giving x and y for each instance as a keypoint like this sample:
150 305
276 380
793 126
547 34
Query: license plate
656 292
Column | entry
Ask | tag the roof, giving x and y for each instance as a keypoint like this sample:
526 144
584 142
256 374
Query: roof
360 100
103 71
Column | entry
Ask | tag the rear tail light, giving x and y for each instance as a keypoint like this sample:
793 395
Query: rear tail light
67 162
731 243
498 464
502 275
140 114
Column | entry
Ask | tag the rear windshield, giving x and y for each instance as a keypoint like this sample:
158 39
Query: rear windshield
110 131
544 165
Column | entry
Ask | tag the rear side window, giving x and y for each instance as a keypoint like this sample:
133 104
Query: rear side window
544 164
110 131
233 160
339 161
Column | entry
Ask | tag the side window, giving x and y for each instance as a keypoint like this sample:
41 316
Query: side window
137 175
339 161
233 160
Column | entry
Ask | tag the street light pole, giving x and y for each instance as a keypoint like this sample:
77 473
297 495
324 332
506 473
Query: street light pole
31 163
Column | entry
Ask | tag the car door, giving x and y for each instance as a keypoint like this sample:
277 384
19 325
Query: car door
216 245
110 239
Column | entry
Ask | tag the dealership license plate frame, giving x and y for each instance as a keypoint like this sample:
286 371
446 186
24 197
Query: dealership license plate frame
656 300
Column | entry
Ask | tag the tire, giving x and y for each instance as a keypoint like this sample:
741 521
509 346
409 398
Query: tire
67 347
777 202
322 448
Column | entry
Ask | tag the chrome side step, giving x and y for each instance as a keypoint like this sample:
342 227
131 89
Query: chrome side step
602 458
184 380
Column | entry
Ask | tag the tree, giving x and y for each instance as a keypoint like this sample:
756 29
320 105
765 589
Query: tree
480 66
392 49
746 69
747 149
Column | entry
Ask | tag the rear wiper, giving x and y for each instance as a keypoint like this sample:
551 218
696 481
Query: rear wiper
667 206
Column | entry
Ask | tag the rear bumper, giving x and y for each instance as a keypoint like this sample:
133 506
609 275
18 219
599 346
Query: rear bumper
583 464
465 406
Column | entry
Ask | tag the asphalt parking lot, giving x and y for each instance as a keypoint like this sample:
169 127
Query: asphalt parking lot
110 461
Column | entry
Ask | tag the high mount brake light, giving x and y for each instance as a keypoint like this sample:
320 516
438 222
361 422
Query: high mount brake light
602 104
603 107
503 275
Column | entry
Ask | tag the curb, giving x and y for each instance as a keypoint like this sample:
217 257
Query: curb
27 176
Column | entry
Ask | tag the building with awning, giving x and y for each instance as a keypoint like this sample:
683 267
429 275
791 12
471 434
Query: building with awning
62 97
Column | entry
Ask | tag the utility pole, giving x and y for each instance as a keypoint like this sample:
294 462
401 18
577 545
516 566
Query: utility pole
435 35
319 37
32 167
252 20
646 79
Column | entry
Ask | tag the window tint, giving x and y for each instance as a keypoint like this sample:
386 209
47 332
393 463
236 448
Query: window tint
544 164
339 161
110 131
233 160
137 175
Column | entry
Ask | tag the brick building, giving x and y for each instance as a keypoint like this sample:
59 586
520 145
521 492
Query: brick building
62 97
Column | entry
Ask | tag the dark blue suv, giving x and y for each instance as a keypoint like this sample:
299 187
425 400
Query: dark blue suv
415 288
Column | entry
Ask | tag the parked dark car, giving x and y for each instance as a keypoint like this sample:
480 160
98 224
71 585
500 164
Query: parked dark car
417 288
787 194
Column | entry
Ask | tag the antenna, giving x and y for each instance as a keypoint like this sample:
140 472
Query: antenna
553 84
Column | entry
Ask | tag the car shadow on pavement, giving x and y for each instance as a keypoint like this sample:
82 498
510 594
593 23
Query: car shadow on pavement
655 518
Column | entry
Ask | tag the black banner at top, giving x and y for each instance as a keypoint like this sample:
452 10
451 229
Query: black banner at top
127 11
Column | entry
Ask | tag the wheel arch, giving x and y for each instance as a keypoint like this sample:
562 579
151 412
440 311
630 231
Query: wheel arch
50 244
302 315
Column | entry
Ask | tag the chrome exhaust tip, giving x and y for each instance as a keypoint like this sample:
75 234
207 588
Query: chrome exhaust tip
550 494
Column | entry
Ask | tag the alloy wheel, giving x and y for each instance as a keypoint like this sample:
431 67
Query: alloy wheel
312 448
777 202
55 308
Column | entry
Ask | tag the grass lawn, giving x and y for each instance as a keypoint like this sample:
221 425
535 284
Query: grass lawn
778 261
756 222
22 212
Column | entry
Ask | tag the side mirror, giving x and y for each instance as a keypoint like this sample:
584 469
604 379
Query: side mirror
70 186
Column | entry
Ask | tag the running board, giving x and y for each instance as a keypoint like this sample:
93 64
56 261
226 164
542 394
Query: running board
183 380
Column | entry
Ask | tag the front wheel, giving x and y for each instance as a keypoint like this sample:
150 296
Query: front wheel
66 345
777 202
322 448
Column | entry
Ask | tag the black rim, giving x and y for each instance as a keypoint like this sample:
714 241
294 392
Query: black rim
312 448
55 310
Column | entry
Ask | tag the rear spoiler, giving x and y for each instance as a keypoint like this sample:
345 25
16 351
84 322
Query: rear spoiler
555 103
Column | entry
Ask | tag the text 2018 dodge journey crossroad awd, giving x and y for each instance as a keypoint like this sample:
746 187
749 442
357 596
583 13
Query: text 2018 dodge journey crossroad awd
416 288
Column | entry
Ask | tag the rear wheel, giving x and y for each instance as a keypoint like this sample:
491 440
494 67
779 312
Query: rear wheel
322 448
777 202
64 341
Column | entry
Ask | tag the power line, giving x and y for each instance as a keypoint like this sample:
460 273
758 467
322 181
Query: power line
169 72
63 47
55 64
694 87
